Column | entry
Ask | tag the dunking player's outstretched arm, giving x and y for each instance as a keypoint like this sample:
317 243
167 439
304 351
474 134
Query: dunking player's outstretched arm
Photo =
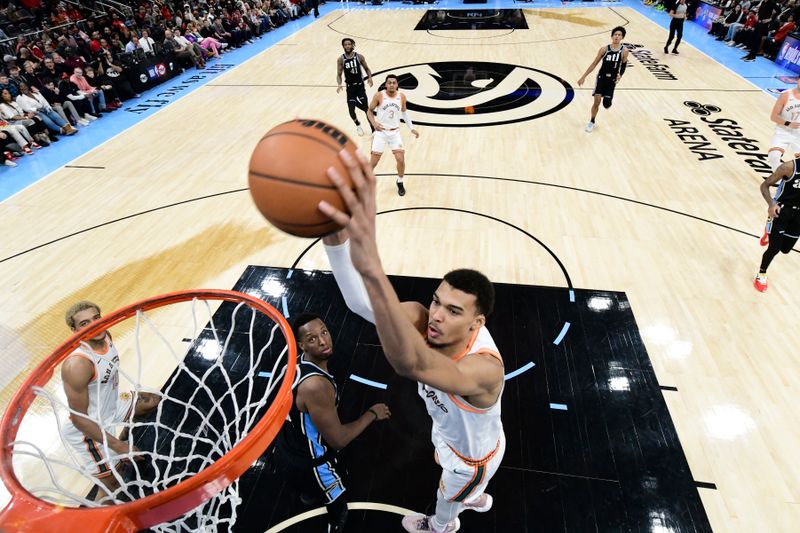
597 59
337 248
398 324
366 69
373 105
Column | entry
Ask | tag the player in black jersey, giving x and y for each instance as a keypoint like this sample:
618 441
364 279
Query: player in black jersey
313 433
784 210
351 63
615 60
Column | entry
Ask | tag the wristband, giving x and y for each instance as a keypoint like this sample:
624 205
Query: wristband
786 123
371 410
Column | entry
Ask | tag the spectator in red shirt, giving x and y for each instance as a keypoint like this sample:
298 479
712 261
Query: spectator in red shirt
73 14
94 44
773 42
117 23
165 12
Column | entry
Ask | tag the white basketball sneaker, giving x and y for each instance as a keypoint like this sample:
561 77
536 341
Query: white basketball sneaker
589 127
360 130
417 523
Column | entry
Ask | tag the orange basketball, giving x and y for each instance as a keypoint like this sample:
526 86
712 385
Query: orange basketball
288 175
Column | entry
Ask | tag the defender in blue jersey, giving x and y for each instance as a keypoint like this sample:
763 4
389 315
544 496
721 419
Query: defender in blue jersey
313 433
613 59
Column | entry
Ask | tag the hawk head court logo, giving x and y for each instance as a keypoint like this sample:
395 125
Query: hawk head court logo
703 110
467 94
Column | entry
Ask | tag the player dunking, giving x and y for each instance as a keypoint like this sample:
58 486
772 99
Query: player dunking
445 347
91 383
388 106
786 115
351 63
784 216
614 59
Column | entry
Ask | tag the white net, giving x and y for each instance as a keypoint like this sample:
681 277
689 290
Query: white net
213 393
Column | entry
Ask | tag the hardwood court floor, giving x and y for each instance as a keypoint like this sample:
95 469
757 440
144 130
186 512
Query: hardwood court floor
628 208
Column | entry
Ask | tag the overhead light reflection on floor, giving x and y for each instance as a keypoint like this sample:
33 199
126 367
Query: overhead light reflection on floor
728 422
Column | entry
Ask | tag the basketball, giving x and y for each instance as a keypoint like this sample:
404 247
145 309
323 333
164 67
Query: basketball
288 175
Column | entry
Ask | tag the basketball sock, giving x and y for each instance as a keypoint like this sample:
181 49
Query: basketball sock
774 159
399 179
591 120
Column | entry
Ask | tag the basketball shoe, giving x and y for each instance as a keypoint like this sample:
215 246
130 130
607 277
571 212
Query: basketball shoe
590 127
764 238
417 523
400 189
760 283
480 505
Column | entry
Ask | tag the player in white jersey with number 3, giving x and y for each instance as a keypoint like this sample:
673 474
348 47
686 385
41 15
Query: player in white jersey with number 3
786 115
385 111
445 347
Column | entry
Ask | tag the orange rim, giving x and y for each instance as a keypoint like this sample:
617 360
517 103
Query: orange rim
162 506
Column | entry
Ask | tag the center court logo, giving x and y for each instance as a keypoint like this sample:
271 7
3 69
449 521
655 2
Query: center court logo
467 94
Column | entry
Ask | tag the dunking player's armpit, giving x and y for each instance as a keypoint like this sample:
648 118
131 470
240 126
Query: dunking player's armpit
350 283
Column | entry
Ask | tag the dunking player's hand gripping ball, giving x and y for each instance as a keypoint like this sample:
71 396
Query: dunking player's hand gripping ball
288 175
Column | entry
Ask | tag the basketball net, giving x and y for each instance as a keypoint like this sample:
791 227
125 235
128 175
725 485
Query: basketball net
218 389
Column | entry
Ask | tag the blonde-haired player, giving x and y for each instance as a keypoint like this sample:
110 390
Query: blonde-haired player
91 383
786 115
385 111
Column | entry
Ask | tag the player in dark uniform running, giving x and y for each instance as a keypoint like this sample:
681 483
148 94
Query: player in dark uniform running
784 210
614 59
311 436
351 63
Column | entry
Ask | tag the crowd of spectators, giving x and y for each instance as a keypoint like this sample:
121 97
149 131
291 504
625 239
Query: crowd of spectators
66 64
757 26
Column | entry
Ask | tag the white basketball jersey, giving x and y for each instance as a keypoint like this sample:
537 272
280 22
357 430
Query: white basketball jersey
104 386
389 110
791 111
470 432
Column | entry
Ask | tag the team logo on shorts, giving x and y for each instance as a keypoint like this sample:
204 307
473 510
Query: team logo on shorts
473 93
703 110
